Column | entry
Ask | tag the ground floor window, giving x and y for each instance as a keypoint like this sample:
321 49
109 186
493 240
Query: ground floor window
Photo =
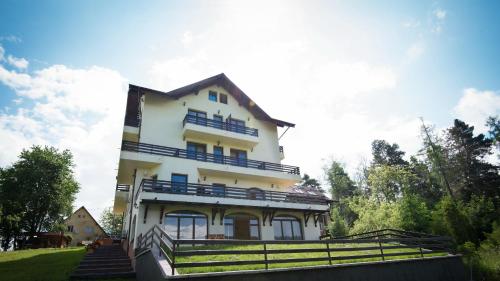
242 227
186 225
287 228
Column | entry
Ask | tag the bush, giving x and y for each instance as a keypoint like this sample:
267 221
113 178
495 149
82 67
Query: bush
373 215
449 218
339 226
412 214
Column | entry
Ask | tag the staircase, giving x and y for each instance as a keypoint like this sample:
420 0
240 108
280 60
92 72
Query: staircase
105 262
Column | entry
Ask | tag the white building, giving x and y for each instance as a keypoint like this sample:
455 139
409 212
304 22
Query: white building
203 161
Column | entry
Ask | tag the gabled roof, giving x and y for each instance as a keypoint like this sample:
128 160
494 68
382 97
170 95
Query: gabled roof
222 81
88 213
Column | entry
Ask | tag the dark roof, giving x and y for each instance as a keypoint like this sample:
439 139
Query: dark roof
83 207
222 81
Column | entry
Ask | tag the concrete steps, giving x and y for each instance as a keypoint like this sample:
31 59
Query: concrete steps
105 262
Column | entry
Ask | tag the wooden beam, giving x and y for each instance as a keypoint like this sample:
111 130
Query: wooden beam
146 213
161 213
307 215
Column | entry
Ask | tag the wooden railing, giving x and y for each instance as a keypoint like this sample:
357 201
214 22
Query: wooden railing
207 157
123 187
226 126
332 250
161 186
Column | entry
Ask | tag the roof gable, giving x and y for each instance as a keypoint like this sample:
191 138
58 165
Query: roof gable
88 213
220 80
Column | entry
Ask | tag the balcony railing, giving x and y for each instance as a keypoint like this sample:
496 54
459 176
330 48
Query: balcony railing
220 125
196 189
207 157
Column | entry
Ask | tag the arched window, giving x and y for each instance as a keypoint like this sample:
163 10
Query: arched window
186 225
242 227
287 228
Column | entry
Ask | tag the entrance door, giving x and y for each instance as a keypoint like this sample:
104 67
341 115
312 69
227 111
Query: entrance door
242 228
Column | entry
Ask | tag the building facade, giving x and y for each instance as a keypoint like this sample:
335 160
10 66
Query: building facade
204 162
83 227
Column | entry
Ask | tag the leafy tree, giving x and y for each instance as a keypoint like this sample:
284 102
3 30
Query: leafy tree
481 213
449 218
387 183
386 154
341 185
311 183
12 209
42 185
373 215
111 222
425 183
412 213
338 226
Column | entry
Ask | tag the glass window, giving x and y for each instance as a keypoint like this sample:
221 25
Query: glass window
218 121
186 225
218 189
287 228
196 151
223 98
89 229
229 228
218 154
236 125
179 183
197 117
239 157
212 96
254 229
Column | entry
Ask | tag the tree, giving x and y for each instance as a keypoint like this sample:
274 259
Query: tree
386 154
341 185
338 226
373 215
311 183
388 183
42 185
472 173
412 213
111 223
493 123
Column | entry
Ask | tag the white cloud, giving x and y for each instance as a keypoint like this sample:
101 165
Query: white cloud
411 24
20 63
415 51
2 53
11 38
475 106
187 38
77 109
440 14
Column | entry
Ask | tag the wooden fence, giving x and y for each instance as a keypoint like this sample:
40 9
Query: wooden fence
171 248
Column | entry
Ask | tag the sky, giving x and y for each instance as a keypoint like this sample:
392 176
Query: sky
345 72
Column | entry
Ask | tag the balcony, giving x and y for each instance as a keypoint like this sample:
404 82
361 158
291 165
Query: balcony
218 165
208 194
215 130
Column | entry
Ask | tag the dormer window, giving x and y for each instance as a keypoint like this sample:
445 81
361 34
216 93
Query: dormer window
212 96
223 98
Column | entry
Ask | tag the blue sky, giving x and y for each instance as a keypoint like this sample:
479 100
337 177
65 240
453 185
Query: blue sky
346 72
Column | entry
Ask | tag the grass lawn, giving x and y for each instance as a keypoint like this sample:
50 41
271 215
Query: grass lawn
240 257
41 264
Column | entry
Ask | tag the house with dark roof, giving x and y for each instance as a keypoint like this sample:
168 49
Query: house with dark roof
204 162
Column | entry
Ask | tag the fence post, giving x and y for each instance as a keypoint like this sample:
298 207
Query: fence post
380 246
173 258
420 248
329 255
265 256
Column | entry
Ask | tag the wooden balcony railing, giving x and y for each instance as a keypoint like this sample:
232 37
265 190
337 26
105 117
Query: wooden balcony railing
196 189
220 125
207 157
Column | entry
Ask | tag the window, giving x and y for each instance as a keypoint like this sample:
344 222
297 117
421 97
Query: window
197 117
218 189
196 151
186 225
236 125
89 229
212 96
218 121
218 154
223 98
70 228
287 228
239 157
179 183
256 194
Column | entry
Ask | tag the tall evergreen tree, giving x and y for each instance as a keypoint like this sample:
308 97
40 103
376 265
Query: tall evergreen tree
387 154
